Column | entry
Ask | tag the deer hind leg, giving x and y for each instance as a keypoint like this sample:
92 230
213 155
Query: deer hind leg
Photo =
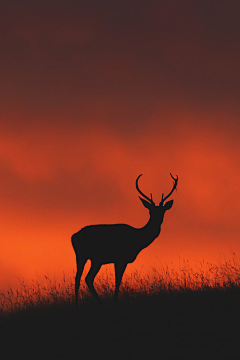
95 267
119 271
80 266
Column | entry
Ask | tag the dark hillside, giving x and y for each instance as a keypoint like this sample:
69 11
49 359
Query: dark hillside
173 324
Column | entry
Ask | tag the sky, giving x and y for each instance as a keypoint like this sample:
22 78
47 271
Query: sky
94 93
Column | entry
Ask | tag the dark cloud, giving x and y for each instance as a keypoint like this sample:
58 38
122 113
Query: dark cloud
70 193
57 54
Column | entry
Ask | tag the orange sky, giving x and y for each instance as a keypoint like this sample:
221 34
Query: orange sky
94 94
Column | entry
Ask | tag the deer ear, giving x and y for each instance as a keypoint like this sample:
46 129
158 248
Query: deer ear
168 205
146 203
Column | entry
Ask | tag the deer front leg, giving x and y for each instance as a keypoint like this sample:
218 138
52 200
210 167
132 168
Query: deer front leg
119 271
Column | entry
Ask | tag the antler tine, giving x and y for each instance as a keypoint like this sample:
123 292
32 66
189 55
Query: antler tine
140 192
174 187
174 177
161 202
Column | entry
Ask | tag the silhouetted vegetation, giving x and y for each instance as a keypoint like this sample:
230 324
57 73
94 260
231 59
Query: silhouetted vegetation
186 313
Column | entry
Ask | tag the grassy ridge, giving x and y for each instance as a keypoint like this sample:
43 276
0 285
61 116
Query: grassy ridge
171 314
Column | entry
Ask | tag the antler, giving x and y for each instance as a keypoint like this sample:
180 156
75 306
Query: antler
174 187
140 192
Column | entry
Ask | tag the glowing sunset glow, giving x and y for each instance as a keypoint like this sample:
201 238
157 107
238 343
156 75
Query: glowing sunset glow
92 95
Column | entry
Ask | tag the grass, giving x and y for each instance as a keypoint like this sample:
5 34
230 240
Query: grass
190 312
201 278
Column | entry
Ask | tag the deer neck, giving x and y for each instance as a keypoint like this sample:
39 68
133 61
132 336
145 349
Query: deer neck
150 231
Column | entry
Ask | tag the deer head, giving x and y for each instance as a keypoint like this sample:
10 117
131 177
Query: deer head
157 211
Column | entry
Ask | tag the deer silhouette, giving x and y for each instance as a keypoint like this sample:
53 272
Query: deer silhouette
117 243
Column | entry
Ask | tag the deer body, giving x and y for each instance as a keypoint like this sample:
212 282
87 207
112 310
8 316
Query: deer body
114 242
118 243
